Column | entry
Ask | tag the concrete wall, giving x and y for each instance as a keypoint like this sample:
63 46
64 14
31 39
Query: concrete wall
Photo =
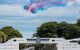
70 46
9 46
61 43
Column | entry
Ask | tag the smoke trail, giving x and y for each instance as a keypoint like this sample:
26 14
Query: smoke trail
36 5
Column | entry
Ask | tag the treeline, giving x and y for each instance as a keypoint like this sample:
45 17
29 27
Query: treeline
7 33
62 30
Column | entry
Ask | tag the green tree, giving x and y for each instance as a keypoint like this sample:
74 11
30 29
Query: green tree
11 32
47 30
3 37
68 31
78 22
61 28
54 29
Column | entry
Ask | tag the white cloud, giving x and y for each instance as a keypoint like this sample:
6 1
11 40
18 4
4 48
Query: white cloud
60 11
13 10
16 10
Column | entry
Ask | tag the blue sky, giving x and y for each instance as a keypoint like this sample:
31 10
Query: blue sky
13 14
